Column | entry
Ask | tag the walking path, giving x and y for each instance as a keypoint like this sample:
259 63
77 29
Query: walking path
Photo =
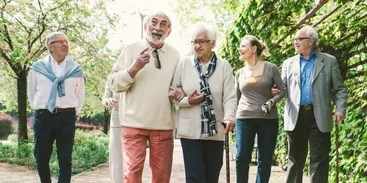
100 174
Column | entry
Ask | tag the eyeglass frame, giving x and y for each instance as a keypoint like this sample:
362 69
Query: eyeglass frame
200 42
157 62
60 41
297 39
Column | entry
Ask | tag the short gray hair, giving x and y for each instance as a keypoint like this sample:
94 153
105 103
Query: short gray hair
312 33
51 37
210 30
150 15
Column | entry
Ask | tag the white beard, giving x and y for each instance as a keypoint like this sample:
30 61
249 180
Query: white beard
153 39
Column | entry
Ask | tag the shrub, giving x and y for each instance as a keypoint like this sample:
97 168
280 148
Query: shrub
85 127
14 154
13 138
90 149
5 125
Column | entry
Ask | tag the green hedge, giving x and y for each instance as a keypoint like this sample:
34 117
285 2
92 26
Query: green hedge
90 149
352 136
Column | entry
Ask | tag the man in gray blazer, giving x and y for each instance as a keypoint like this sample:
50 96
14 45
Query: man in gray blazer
312 81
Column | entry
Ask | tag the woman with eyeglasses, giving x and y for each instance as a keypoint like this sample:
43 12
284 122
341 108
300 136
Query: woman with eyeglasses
256 112
207 83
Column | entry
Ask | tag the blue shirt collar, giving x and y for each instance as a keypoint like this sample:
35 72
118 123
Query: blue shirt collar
313 55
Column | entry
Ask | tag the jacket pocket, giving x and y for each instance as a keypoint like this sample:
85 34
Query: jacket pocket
186 127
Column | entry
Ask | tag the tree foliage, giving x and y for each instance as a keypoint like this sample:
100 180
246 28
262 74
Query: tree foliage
219 12
342 28
25 24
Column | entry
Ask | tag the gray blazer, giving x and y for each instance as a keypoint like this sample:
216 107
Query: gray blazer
327 85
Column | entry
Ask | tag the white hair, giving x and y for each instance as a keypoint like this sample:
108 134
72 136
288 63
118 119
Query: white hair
312 33
150 15
51 37
210 30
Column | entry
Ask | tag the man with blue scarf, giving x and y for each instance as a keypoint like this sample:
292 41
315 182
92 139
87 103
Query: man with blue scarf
56 88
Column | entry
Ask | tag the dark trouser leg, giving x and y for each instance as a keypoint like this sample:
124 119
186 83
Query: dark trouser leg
43 139
267 136
319 153
194 160
213 158
298 147
64 144
245 135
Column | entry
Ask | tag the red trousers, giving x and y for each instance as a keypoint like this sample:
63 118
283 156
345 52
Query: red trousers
134 144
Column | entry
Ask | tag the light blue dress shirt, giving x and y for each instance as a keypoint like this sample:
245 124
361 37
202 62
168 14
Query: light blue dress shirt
307 70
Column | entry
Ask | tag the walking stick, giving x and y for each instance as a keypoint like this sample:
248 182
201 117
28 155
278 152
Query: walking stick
226 142
337 151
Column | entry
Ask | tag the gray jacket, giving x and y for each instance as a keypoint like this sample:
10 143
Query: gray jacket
327 85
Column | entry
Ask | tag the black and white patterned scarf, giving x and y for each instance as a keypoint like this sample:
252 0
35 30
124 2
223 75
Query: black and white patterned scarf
208 121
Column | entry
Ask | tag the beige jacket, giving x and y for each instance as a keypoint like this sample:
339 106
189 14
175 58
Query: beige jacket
144 101
327 85
108 93
222 87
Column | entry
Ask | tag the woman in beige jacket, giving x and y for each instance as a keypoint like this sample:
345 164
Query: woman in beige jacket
209 84
110 99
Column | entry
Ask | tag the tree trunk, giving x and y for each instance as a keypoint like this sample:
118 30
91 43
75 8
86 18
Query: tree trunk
22 107
106 123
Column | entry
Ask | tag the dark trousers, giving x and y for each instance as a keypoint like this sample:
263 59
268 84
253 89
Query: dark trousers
267 131
203 160
306 130
48 128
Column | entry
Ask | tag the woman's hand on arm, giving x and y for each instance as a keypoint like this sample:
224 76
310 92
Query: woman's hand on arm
195 97
110 102
274 90
176 94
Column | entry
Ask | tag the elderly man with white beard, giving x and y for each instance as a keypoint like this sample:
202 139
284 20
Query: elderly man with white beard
142 77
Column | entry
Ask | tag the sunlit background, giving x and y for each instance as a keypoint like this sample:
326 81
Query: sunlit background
130 29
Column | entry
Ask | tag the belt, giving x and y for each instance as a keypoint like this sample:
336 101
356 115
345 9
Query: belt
306 107
57 110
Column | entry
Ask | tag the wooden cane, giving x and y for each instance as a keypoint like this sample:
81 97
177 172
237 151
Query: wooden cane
337 151
226 143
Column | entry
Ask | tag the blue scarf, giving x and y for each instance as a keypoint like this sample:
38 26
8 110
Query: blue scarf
44 67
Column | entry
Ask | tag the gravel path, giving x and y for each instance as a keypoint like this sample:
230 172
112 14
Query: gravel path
100 174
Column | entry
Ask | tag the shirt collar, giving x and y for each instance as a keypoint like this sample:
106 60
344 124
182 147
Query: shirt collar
54 62
312 55
145 44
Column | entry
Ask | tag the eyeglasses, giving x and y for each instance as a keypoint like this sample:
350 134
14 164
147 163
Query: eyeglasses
300 38
157 62
60 42
200 42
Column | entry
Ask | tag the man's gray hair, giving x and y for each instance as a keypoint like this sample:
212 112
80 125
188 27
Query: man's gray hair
51 37
150 15
210 30
312 33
